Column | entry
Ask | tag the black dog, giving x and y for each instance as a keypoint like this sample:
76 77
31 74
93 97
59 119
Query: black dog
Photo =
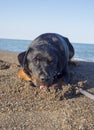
46 59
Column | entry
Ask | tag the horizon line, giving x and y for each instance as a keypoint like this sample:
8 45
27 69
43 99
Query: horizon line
32 40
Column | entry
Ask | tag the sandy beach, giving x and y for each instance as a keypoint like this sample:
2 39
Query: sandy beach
23 107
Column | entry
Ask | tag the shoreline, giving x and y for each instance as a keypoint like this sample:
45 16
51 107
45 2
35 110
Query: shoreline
16 53
9 56
40 109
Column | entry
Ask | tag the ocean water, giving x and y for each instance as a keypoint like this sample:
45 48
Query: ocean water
82 51
14 45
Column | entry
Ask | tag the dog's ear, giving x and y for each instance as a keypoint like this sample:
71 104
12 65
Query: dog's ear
21 58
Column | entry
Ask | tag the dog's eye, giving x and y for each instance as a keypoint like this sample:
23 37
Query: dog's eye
36 61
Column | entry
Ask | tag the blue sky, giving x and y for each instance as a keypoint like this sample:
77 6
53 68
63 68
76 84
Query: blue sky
26 19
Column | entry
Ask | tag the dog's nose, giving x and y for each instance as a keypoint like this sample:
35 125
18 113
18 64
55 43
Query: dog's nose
43 78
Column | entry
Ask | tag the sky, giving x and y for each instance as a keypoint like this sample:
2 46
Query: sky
26 19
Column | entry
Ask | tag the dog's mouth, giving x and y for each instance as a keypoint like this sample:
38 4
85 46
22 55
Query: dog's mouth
39 85
43 87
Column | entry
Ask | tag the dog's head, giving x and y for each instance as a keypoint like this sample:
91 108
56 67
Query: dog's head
42 62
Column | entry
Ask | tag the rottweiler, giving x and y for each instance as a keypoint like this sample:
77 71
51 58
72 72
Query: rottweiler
46 60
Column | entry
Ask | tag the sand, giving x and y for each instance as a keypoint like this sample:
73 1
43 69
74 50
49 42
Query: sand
23 107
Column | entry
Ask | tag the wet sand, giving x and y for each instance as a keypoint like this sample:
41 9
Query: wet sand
23 107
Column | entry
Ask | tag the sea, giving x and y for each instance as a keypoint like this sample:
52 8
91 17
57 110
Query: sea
84 51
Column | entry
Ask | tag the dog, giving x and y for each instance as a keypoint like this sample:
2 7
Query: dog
46 60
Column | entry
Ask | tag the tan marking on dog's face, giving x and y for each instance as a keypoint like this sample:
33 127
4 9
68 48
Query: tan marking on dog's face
49 59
